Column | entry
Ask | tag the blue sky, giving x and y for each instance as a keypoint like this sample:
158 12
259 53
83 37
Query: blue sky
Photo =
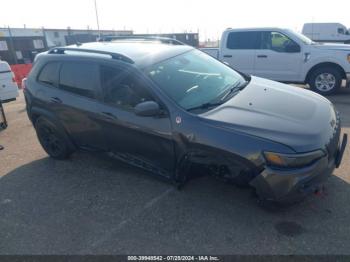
209 17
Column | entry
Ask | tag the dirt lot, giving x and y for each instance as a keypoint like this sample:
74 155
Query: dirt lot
95 205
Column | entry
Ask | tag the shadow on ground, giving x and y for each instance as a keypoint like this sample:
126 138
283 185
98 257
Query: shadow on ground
94 205
342 102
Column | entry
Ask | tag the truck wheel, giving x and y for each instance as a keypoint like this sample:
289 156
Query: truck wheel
52 140
325 80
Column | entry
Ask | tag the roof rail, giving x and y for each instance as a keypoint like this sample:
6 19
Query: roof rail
62 50
165 40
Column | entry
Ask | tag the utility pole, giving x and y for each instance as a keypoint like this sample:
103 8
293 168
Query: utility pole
97 20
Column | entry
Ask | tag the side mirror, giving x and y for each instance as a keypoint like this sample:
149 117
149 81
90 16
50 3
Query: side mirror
293 48
147 108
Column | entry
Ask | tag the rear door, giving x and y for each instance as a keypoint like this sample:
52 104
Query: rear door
74 100
239 50
279 57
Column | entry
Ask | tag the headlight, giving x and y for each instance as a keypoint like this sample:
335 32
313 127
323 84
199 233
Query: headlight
292 160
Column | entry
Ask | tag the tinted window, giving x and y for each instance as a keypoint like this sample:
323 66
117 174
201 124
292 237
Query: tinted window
243 40
277 42
79 78
121 89
48 74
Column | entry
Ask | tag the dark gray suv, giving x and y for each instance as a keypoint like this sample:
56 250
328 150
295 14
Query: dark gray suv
169 108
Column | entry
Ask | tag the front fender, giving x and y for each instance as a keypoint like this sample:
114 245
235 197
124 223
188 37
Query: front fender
324 59
205 144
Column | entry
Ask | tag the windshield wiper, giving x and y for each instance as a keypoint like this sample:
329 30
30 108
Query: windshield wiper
231 90
205 106
234 88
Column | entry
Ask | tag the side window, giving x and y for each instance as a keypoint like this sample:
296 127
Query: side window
341 31
279 42
49 74
121 89
243 40
79 78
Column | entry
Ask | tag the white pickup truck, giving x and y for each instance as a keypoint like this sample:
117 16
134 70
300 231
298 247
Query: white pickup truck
286 56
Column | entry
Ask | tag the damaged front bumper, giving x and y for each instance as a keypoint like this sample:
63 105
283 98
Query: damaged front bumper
292 185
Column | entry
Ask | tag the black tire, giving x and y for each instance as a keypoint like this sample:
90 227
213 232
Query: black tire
328 73
55 144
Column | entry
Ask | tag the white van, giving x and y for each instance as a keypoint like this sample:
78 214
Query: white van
8 86
327 32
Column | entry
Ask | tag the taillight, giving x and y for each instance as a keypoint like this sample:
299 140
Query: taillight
24 82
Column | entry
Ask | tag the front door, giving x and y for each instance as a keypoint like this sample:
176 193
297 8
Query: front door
143 141
279 58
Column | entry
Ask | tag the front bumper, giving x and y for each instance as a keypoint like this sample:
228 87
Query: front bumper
289 186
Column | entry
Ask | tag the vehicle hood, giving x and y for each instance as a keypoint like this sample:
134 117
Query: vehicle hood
295 117
336 47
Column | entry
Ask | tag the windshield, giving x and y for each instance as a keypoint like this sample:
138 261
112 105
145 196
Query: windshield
195 79
302 37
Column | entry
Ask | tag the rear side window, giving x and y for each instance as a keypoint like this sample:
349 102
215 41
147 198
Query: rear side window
49 73
243 40
79 78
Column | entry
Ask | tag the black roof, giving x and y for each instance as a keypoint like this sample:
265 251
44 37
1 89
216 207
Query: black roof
142 54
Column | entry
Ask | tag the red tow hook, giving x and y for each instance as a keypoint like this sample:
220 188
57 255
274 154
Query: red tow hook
321 191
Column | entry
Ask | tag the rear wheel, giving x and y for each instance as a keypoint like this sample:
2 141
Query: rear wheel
52 140
325 80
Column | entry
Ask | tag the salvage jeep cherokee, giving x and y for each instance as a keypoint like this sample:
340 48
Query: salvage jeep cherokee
167 107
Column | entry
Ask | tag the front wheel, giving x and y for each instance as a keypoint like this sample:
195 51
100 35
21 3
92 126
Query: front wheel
325 81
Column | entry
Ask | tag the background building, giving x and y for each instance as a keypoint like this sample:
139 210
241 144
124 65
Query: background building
21 45
191 39
62 37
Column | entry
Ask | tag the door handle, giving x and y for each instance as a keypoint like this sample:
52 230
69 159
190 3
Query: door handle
262 56
109 116
227 56
56 100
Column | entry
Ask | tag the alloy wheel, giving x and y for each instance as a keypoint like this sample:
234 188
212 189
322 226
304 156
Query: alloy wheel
325 82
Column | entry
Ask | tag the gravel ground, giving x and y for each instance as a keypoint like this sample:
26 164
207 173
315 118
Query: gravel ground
92 204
